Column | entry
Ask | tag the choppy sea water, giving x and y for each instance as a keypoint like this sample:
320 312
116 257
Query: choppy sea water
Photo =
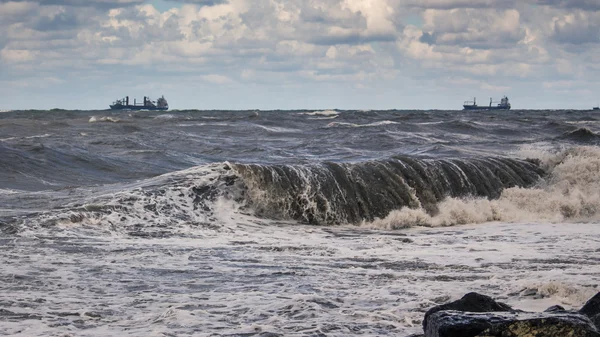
291 223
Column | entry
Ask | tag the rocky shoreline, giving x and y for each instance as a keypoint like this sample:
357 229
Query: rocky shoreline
477 315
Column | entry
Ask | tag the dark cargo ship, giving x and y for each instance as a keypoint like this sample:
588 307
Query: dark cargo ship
148 104
472 105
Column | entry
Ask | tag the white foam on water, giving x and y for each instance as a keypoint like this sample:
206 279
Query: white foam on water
275 129
321 113
203 124
228 272
95 119
324 118
45 135
581 122
288 279
165 116
570 193
344 124
9 191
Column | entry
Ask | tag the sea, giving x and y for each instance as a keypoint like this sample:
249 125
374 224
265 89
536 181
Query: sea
290 223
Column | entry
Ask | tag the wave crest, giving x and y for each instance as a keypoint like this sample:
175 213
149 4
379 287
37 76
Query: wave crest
393 193
569 192
582 135
332 193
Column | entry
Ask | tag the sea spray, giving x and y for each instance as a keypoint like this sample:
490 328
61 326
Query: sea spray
569 192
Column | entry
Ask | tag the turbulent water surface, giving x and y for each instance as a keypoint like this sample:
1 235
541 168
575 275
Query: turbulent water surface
290 223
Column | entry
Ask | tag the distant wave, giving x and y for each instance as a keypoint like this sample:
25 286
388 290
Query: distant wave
165 116
322 113
202 124
28 137
583 135
324 118
95 119
275 129
353 125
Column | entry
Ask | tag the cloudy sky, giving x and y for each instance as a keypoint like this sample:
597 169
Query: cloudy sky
293 54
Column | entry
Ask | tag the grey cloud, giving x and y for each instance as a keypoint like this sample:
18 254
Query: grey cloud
451 4
329 15
168 31
581 4
326 24
11 12
82 3
61 21
350 39
428 38
484 28
579 31
201 2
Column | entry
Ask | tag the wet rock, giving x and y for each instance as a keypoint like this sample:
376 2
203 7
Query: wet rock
471 302
450 323
477 315
555 308
592 307
596 321
563 325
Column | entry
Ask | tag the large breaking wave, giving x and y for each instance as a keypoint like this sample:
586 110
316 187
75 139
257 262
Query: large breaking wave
392 193
331 193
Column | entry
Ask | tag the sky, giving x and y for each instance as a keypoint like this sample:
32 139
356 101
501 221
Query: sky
300 54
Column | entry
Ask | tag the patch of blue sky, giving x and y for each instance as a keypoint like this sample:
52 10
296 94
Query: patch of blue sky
415 20
164 5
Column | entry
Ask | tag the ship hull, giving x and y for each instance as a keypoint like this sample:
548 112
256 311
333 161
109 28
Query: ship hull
476 107
137 107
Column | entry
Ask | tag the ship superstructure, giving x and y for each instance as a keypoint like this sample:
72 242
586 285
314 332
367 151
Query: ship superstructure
148 104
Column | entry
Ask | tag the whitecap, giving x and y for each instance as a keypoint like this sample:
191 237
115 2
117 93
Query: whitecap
95 119
343 124
321 113
165 116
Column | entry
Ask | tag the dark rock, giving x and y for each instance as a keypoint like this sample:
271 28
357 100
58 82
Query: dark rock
592 307
596 321
471 302
449 323
555 308
575 325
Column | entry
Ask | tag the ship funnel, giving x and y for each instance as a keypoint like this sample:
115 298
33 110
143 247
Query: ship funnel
127 100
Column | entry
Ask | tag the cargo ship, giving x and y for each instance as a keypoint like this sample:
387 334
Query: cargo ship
472 105
147 104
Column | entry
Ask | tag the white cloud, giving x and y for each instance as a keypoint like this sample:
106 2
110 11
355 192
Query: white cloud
295 42
218 79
